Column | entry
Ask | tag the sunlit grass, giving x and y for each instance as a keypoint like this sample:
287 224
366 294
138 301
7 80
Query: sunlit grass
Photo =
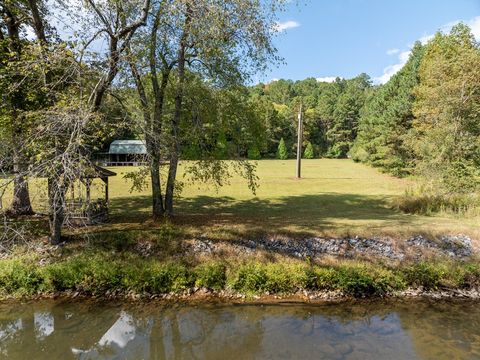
334 197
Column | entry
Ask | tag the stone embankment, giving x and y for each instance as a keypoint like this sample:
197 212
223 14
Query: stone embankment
458 247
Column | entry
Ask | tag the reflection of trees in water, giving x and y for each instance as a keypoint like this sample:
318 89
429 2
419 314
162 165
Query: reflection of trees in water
442 330
51 330
203 333
69 330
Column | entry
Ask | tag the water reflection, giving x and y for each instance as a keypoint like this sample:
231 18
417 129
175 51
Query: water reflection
88 330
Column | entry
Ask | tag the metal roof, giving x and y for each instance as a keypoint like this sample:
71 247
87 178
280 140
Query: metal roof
96 172
128 147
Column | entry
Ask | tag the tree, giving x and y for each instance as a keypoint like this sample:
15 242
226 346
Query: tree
282 152
204 38
279 91
387 118
309 153
51 97
118 21
343 129
445 135
17 93
254 153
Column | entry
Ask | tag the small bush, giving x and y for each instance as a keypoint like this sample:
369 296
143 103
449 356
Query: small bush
309 153
165 278
65 275
325 279
470 276
282 152
19 278
249 278
280 279
254 153
423 274
362 281
211 275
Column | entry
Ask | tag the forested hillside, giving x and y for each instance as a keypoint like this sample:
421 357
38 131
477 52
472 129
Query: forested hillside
424 121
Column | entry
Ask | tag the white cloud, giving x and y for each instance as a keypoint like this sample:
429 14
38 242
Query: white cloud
393 51
391 70
475 26
327 79
282 26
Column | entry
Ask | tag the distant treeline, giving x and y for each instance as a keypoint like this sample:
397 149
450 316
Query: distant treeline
425 120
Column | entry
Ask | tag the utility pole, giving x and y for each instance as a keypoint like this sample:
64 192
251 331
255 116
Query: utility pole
299 143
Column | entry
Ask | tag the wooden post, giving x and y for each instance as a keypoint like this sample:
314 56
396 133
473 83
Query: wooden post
299 144
105 180
88 183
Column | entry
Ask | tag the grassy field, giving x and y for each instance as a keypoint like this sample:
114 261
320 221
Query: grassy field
334 197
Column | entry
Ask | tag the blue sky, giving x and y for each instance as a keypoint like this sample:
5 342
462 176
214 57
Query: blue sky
329 38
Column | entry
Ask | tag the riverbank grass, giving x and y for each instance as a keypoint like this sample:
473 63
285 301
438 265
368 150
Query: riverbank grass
99 273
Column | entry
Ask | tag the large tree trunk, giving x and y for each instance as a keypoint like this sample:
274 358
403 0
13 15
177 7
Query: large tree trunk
21 204
152 131
56 197
159 92
175 146
21 200
157 200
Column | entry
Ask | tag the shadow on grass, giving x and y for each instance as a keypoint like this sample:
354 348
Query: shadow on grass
303 212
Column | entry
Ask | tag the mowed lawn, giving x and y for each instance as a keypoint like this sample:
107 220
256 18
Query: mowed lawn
334 197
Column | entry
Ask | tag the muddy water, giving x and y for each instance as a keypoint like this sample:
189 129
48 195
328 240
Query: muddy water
375 330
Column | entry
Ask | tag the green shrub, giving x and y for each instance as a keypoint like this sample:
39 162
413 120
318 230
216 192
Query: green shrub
101 274
470 276
361 281
66 275
165 278
282 152
423 274
254 153
309 153
211 275
19 278
324 279
249 278
280 279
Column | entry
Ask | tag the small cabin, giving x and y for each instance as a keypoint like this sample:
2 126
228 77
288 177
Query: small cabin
124 153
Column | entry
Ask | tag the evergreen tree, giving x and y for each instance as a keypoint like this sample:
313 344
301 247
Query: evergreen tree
254 153
386 119
346 115
282 152
308 153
